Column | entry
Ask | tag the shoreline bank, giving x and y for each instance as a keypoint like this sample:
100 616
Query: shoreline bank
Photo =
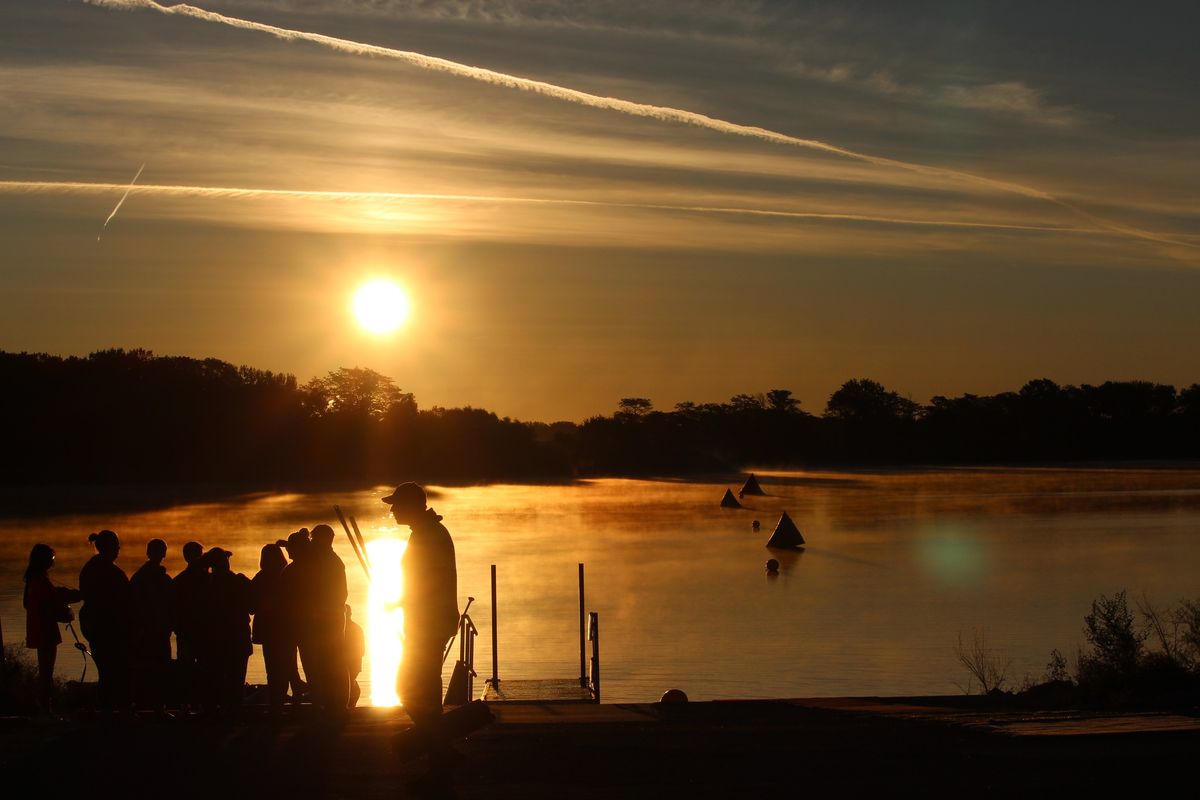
850 746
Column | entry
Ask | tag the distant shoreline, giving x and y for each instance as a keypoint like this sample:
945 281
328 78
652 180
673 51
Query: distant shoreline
50 500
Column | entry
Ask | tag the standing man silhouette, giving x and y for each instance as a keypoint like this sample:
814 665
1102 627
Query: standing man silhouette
430 603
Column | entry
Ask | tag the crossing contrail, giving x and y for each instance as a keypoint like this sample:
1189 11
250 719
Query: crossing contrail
234 192
661 113
120 202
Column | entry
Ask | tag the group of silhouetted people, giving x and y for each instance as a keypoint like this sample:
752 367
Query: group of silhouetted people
297 602
300 618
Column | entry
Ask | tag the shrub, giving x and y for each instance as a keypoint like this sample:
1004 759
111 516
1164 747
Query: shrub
18 682
984 665
1116 644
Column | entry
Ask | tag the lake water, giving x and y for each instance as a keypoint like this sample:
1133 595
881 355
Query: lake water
897 565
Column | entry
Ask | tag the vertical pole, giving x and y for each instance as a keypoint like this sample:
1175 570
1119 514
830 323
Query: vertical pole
495 657
582 633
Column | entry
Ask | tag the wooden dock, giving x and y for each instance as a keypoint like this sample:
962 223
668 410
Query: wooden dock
566 690
582 689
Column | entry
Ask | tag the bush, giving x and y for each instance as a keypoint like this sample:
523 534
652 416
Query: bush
1116 644
1056 668
984 665
18 682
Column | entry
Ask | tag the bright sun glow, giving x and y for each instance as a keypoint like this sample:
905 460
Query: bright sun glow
385 620
381 306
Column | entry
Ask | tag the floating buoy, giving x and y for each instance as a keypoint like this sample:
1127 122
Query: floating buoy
773 566
672 696
751 486
729 501
755 525
786 534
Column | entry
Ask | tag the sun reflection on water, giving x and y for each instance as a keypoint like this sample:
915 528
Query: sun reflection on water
385 619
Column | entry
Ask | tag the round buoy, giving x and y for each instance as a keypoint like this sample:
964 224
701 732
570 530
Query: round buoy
755 525
673 696
772 565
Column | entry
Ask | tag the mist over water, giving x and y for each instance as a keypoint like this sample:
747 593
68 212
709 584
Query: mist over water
897 564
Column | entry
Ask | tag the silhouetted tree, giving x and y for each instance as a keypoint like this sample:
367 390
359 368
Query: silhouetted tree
634 406
865 399
782 400
130 416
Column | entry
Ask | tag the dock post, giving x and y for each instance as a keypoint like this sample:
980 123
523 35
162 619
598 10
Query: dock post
582 633
495 657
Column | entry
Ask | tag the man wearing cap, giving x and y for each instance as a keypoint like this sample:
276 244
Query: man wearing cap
430 605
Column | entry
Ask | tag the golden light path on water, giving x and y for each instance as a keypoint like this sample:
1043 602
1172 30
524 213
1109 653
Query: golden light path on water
385 619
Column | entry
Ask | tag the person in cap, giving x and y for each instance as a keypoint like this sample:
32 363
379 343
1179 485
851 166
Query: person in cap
430 603
153 596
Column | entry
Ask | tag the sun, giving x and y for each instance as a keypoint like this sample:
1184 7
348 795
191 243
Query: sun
381 306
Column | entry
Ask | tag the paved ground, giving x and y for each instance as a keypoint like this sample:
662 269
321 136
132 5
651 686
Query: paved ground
843 747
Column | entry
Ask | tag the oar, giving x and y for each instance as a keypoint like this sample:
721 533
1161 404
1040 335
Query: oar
353 542
362 545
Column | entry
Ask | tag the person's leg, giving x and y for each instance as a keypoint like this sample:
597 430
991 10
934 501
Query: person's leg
275 658
421 695
160 671
46 656
339 676
237 678
98 647
299 684
189 698
119 666
313 671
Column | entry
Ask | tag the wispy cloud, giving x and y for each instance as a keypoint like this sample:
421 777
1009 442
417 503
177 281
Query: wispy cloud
237 192
661 113
1009 97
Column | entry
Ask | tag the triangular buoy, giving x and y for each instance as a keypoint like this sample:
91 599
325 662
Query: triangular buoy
751 486
729 501
786 534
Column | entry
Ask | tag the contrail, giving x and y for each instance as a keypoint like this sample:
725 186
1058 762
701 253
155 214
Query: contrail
662 113
120 202
233 192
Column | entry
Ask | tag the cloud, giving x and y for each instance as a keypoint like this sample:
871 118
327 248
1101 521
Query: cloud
1006 97
660 113
235 192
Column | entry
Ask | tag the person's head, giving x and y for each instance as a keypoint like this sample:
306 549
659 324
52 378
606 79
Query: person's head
41 558
296 542
322 537
271 559
107 544
192 551
218 560
156 550
407 502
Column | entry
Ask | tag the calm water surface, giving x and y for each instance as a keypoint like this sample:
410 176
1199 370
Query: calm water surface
897 564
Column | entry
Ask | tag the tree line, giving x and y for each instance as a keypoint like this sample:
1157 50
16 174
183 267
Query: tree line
128 416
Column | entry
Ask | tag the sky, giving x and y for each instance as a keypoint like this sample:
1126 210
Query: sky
679 200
